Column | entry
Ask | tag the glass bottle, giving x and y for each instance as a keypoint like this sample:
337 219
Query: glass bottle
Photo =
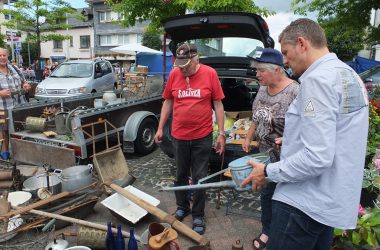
132 243
110 238
120 243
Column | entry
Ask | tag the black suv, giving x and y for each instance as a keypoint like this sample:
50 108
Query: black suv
224 40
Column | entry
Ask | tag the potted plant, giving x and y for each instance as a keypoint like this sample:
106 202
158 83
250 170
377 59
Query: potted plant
371 177
370 186
366 234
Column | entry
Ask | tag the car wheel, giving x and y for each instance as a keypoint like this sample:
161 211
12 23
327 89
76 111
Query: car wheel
144 143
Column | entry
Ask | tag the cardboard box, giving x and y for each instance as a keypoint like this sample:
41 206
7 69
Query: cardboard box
142 69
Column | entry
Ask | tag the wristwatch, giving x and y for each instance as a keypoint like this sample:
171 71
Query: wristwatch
265 170
222 133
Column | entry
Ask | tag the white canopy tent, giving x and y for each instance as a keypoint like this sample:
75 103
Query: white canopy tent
134 48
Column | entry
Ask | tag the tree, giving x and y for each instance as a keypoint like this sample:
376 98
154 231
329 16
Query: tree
3 44
33 49
342 40
40 19
156 10
348 14
152 40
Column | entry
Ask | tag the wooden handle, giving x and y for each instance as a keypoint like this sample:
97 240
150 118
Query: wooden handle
162 215
42 202
35 205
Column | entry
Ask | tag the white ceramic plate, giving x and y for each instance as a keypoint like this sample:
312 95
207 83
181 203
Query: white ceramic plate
126 208
18 198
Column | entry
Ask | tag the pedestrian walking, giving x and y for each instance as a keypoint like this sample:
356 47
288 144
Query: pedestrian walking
191 90
319 176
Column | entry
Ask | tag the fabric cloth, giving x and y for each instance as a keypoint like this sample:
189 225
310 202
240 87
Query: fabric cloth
293 230
192 109
324 145
192 156
268 114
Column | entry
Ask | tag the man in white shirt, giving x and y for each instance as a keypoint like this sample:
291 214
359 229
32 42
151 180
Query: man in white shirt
319 176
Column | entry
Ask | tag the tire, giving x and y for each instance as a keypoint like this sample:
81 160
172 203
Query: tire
144 143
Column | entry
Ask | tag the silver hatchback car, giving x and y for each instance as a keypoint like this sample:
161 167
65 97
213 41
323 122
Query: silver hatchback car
77 77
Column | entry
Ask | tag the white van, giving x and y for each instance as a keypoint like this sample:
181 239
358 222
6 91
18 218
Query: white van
77 77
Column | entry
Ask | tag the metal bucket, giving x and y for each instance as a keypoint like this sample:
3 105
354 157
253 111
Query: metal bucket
35 124
60 123
240 169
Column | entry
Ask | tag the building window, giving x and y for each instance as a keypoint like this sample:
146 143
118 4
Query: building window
8 17
139 38
71 42
57 44
84 42
123 39
105 40
105 16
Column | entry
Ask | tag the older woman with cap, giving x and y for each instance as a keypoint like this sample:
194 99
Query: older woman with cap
276 93
191 90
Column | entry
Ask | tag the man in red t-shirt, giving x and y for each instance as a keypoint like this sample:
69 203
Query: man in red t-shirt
190 92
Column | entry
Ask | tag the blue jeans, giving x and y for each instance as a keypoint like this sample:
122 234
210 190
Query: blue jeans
266 206
291 229
192 155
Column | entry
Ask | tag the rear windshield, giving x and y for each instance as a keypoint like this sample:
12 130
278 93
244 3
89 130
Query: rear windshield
227 46
78 70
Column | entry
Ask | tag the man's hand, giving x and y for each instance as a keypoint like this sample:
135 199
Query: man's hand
220 144
257 176
158 136
5 93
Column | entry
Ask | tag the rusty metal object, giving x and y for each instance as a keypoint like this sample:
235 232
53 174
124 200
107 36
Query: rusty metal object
4 208
6 175
6 184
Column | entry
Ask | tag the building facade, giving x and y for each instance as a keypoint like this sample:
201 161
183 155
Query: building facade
109 34
81 44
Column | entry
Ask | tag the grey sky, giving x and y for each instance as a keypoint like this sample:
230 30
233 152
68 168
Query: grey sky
275 5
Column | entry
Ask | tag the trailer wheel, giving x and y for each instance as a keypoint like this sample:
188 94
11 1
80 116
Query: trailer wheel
144 143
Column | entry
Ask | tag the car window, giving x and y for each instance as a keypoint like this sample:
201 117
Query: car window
372 73
106 68
227 46
80 70
98 68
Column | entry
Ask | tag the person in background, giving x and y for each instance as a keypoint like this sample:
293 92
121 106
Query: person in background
47 68
276 93
319 176
191 90
37 70
54 66
12 87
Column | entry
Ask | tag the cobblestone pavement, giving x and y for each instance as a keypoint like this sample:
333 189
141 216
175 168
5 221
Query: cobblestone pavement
157 170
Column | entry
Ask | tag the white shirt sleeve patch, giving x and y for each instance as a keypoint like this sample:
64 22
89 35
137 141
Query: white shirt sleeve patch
309 110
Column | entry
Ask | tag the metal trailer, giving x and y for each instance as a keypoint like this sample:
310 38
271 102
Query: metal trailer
134 123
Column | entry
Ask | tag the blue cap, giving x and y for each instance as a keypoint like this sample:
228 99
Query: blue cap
269 55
